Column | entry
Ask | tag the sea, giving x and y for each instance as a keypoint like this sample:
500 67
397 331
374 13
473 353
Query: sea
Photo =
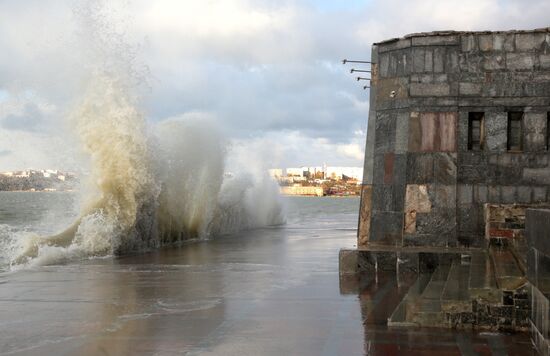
263 291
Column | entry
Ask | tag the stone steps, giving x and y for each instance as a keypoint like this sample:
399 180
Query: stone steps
456 295
403 313
422 304
463 291
482 282
427 310
508 273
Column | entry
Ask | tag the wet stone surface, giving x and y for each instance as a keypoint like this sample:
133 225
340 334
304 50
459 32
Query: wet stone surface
266 292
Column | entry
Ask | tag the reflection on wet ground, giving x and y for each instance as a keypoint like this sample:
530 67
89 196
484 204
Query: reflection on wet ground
379 296
267 292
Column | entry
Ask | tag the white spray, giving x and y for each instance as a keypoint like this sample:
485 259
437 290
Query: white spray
148 190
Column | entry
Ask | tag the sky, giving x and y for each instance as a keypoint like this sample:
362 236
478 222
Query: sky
268 72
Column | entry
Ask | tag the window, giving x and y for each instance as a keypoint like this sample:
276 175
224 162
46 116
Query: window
475 131
515 127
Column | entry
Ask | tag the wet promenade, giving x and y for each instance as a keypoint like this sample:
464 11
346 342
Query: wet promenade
266 292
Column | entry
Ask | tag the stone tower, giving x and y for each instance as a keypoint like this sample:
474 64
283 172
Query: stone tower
458 121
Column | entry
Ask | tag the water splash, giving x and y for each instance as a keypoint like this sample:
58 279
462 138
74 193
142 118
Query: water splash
148 186
192 156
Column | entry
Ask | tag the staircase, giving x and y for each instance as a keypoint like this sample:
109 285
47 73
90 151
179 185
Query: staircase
481 289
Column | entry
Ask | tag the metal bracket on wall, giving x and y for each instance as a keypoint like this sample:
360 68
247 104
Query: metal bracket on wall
354 70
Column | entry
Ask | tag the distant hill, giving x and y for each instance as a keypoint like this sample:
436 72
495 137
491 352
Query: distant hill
37 182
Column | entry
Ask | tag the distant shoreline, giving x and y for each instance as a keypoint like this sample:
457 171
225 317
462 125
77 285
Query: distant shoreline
38 191
284 195
324 196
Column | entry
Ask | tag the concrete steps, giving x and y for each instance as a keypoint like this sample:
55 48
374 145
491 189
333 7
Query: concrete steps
422 304
456 295
464 291
482 283
508 273
428 308
402 315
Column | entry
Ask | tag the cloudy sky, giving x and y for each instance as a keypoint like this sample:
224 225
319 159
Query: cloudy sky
267 71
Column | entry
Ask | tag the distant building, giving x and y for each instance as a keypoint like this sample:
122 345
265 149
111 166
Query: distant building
338 173
294 172
22 174
275 173
314 172
319 173
299 190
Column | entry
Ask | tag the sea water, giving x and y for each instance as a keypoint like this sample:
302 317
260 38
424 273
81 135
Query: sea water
202 296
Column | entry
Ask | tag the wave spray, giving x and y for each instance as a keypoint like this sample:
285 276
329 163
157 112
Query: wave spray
149 186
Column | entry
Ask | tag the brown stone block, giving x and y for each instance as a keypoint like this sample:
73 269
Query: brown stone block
433 132
428 126
501 233
422 134
410 222
389 159
415 132
417 200
447 131
365 215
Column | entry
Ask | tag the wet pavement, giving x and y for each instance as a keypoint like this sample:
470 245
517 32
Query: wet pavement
266 292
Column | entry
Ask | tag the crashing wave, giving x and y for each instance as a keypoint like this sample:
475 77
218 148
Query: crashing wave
149 191
149 186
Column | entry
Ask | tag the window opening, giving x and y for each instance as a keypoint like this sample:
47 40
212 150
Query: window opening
515 128
475 131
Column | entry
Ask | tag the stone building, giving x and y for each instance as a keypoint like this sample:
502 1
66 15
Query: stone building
458 120
457 153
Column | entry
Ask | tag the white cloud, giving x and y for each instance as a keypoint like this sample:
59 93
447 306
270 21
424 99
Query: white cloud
268 70
395 18
292 148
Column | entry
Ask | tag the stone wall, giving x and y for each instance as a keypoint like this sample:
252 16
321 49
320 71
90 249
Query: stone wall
538 273
422 186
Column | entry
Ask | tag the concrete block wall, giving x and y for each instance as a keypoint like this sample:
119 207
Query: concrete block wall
422 186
